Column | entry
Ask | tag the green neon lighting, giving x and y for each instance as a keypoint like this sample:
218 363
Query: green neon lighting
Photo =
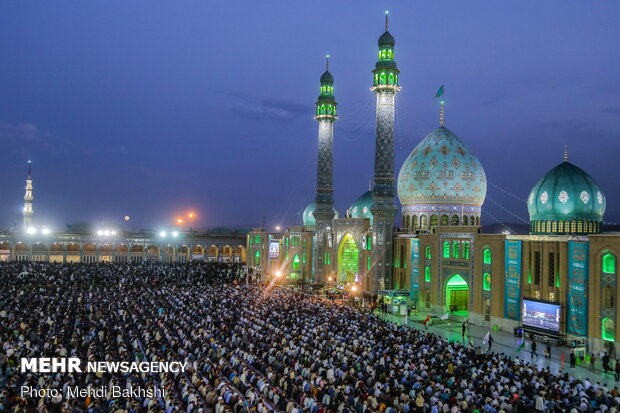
609 264
427 274
486 281
529 277
486 256
608 329
303 257
466 250
296 264
369 263
456 281
557 280
348 258
257 258
369 243
428 253
456 249
446 249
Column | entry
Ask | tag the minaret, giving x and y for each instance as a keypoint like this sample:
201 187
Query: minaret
28 212
324 212
385 86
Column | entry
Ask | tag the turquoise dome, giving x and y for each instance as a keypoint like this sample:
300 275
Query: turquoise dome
361 207
441 183
566 200
308 215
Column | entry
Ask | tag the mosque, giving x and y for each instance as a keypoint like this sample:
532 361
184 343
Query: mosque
557 284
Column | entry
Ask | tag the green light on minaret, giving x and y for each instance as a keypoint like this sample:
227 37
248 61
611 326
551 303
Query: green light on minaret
326 104
385 72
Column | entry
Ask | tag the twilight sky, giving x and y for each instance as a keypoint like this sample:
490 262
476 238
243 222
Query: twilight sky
153 108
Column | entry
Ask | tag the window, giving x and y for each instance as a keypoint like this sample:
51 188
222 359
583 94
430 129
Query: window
286 241
446 249
257 258
466 250
486 281
427 253
303 257
327 259
296 264
608 329
444 220
368 243
609 263
486 256
456 249
427 274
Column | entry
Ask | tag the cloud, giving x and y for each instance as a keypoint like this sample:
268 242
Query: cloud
23 132
254 107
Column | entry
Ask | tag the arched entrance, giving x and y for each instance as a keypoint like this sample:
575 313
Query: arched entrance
457 294
348 260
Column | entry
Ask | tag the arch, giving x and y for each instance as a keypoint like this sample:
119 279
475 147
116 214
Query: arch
434 221
608 329
457 293
348 259
455 220
227 251
487 255
466 250
456 249
486 281
89 249
427 274
464 219
39 249
428 254
478 221
423 221
608 263
20 247
257 258
296 263
183 250
472 220
122 249
240 253
444 220
414 222
105 249
152 251
169 250
446 249
212 251
55 249
137 249
560 226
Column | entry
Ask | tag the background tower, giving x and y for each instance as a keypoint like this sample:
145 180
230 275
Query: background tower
28 212
324 213
385 86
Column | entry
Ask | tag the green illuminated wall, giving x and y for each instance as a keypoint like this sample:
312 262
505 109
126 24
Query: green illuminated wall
348 259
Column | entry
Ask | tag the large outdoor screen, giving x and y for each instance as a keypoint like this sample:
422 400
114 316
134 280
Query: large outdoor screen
541 315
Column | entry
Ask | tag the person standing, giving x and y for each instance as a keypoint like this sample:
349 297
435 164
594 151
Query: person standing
463 329
548 350
606 362
617 370
490 342
533 350
572 359
592 360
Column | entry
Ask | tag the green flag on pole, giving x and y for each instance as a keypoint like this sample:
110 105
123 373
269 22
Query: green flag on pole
520 347
439 94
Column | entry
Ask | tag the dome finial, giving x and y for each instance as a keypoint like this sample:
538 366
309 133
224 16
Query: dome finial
442 104
386 20
327 63
565 153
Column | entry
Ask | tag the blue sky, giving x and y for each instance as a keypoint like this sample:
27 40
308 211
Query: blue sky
153 108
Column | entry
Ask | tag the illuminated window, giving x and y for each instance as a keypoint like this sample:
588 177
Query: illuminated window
537 294
609 263
368 243
257 258
434 220
369 263
456 249
296 264
427 253
608 329
382 79
466 250
427 274
551 296
573 226
444 220
446 249
486 281
286 241
580 226
303 257
391 79
486 256
554 226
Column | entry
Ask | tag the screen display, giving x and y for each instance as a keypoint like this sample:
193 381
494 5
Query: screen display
274 250
541 315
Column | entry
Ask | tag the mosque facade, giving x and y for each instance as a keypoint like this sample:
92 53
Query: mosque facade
556 284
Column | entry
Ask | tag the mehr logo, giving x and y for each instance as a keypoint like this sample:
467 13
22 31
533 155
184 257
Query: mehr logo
51 365
72 364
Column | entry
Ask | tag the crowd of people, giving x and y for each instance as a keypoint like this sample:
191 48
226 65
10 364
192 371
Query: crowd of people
250 348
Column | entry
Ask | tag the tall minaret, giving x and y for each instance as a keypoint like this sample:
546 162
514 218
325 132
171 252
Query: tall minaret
324 212
385 86
28 212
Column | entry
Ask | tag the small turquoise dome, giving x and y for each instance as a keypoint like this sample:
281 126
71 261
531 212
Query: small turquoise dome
327 77
566 200
441 183
361 207
386 39
308 214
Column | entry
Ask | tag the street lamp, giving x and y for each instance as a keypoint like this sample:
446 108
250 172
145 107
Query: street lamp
191 215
